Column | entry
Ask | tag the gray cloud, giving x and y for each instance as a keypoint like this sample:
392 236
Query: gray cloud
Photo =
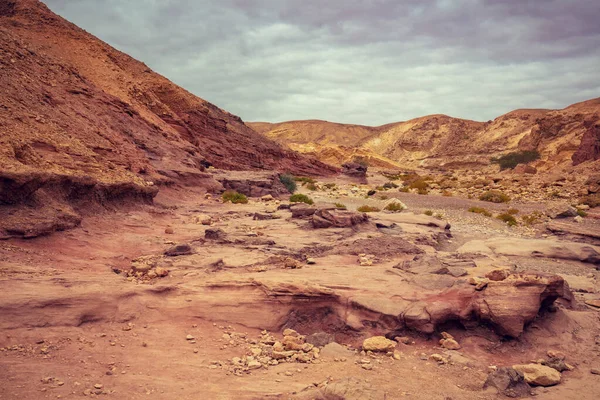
360 61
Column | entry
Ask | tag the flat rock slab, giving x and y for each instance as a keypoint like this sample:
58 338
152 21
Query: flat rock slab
534 248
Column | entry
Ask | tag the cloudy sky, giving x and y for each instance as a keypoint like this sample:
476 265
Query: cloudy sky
360 61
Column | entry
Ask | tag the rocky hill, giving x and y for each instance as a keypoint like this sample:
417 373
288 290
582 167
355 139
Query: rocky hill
563 138
81 121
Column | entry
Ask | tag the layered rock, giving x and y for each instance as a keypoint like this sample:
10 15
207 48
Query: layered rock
96 125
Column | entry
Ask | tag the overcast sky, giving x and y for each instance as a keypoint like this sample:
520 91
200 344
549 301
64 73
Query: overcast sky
360 61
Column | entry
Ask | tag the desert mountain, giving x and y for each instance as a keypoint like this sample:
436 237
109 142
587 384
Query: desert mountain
81 120
563 137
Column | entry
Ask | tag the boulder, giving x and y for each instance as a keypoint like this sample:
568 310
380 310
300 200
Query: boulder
325 218
179 250
561 211
378 343
509 382
538 375
214 234
525 169
302 210
252 183
354 169
319 339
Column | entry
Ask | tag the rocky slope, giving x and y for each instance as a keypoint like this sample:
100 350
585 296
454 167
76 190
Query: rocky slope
81 121
563 137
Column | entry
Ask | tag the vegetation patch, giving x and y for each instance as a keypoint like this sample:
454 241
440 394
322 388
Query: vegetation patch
533 218
289 181
508 218
390 185
234 197
366 209
394 207
428 212
494 196
480 210
340 206
581 213
311 186
329 186
511 160
512 211
301 198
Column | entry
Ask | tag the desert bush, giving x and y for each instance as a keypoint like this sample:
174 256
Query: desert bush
367 209
419 184
234 197
512 211
422 191
480 210
380 188
404 189
511 160
394 207
289 181
390 185
494 196
340 206
581 213
439 216
311 186
301 198
508 218
428 212
329 186
533 218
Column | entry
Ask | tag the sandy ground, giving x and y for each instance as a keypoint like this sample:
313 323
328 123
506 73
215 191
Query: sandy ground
70 327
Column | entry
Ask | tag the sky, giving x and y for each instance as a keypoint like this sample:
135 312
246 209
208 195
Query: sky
365 62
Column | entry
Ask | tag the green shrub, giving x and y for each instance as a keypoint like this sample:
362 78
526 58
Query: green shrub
419 184
289 181
366 209
509 219
511 160
480 210
428 212
311 186
234 197
340 206
301 198
394 207
533 218
439 216
494 196
581 213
